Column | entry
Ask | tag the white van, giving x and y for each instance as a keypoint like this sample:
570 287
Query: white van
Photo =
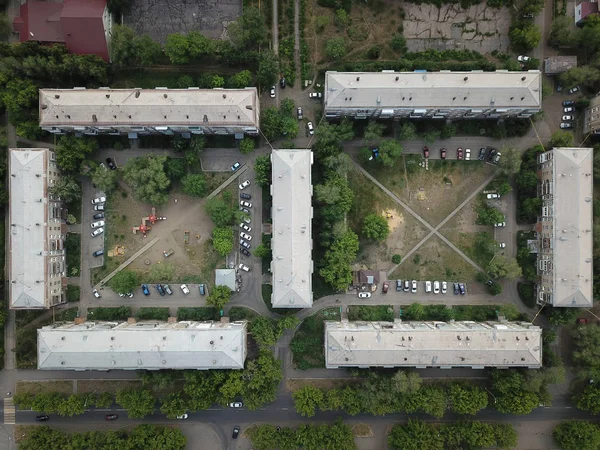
428 286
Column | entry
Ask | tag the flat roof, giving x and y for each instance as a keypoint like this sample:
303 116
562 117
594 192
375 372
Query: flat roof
476 90
149 107
28 217
573 244
291 242
559 64
225 277
149 345
432 344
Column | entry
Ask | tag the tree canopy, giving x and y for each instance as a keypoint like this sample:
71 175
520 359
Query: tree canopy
336 263
105 180
71 151
222 240
194 184
139 403
219 296
561 138
67 188
577 435
124 281
504 267
146 175
128 49
375 227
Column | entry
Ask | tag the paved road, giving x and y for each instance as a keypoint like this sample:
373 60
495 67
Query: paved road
275 27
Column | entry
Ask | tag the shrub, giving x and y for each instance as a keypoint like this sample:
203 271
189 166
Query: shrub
396 259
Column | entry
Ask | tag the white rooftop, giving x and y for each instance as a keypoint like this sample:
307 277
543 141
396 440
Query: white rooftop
28 233
149 107
432 344
143 345
573 227
225 277
291 242
477 90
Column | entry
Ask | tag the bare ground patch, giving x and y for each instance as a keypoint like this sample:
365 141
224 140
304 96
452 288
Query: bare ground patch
39 387
362 430
110 386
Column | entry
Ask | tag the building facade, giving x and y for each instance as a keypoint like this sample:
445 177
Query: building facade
432 344
591 118
433 95
291 241
136 112
564 228
147 345
35 257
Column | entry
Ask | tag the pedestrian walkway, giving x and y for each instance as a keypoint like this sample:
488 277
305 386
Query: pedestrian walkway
9 411
135 256
227 182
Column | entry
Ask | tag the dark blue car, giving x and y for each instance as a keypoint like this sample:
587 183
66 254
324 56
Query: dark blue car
145 289
160 290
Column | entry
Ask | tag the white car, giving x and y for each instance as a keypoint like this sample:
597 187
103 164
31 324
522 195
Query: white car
236 404
245 184
98 200
182 417
502 244
574 89
364 295
566 125
96 293
436 287
467 154
185 289
245 236
247 220
100 223
500 224
568 109
414 286
428 286
272 92
97 231
311 129
567 118
315 95
491 196
244 267
497 157
444 287
523 58
245 204
243 226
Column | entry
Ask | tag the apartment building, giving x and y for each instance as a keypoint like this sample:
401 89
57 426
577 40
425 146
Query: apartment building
291 242
35 256
433 95
564 228
135 112
432 344
146 345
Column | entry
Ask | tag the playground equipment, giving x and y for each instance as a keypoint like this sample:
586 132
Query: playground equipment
144 226
186 237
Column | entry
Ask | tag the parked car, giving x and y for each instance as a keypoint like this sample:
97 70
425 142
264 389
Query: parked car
574 89
406 286
245 196
468 154
386 286
111 417
444 287
491 154
461 286
202 289
580 321
167 289
311 129
282 83
443 153
96 293
160 290
99 208
523 58
567 118
111 163
243 226
502 244
399 285
98 224
97 232
315 95
459 153
500 224
103 166
245 204
568 109
299 113
559 88
236 404
528 16
568 103
456 289
236 166
414 286
145 289
436 287
98 216
184 289
492 196
245 244
129 294
244 251
481 155
272 92
98 200
566 125
236 432
246 210
245 236
183 416
42 418
244 184
364 295
247 220
428 287
497 158
425 152
98 252
374 154
244 267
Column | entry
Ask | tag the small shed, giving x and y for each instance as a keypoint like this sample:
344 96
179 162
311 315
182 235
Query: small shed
225 277
554 65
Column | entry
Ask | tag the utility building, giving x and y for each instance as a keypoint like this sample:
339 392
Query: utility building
291 242
433 95
432 344
136 111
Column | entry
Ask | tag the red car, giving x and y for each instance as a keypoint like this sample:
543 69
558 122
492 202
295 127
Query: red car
386 286
111 417
426 152
443 153
459 153
582 321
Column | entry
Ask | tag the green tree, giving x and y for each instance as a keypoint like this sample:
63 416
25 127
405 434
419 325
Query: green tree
586 355
585 76
289 127
246 145
307 400
241 79
373 131
249 30
268 68
71 151
124 281
336 268
415 435
219 212
335 48
487 215
527 180
199 45
222 240
20 97
561 32
531 207
219 297
177 48
262 251
389 151
264 331
129 49
105 180
71 406
105 400
336 196
524 36
407 131
29 130
139 403
510 162
561 138
375 227
265 437
504 267
146 175
173 406
217 81
176 168
194 184
262 169
271 123
67 189
577 435
467 399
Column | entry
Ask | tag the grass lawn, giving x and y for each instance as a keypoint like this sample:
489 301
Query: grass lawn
241 313
73 251
39 387
116 313
371 313
307 344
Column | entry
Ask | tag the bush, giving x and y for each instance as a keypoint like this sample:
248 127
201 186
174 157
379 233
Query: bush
527 293
73 293
396 259
118 313
200 314
152 313
335 48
